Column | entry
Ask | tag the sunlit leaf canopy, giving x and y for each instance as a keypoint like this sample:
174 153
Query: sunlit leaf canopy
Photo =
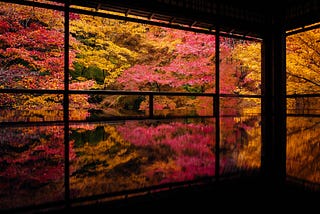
113 54
303 68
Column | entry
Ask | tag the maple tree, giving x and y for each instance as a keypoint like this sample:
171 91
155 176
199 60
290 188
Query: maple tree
184 55
180 56
303 63
136 57
31 48
32 57
131 59
244 59
105 47
302 67
303 70
31 53
303 78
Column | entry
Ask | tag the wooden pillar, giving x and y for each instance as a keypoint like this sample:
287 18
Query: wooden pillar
66 103
273 160
216 103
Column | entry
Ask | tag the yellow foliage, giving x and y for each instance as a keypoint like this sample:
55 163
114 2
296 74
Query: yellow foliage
105 44
105 156
249 156
45 102
248 56
303 67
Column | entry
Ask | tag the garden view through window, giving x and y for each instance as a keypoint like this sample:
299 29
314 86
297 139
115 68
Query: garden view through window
303 108
147 106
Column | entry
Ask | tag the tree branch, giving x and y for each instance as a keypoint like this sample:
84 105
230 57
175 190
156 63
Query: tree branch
305 79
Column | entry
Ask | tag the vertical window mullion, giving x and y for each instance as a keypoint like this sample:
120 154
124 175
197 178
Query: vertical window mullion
217 104
66 103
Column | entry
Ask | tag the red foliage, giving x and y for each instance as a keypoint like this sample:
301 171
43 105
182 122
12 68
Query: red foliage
32 53
191 57
191 147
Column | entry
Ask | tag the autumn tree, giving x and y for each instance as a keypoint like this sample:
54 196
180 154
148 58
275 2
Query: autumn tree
31 53
31 47
303 70
187 55
172 60
106 48
303 67
245 59
188 65
302 61
32 57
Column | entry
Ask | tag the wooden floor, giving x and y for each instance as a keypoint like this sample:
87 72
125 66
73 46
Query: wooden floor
231 195
242 195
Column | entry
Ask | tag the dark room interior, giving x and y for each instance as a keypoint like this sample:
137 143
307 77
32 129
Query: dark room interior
270 25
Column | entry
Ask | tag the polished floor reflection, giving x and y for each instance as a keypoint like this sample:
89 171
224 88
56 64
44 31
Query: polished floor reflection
31 165
114 159
121 157
303 153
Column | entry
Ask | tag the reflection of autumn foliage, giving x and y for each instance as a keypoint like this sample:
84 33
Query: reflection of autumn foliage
189 149
136 154
133 155
303 159
241 143
32 163
104 161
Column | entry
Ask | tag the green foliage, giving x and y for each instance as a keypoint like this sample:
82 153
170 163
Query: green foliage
193 89
91 72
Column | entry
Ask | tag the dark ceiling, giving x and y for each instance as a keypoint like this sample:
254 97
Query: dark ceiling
244 18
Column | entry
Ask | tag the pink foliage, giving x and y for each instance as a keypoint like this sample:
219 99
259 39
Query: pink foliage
191 64
33 55
191 144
